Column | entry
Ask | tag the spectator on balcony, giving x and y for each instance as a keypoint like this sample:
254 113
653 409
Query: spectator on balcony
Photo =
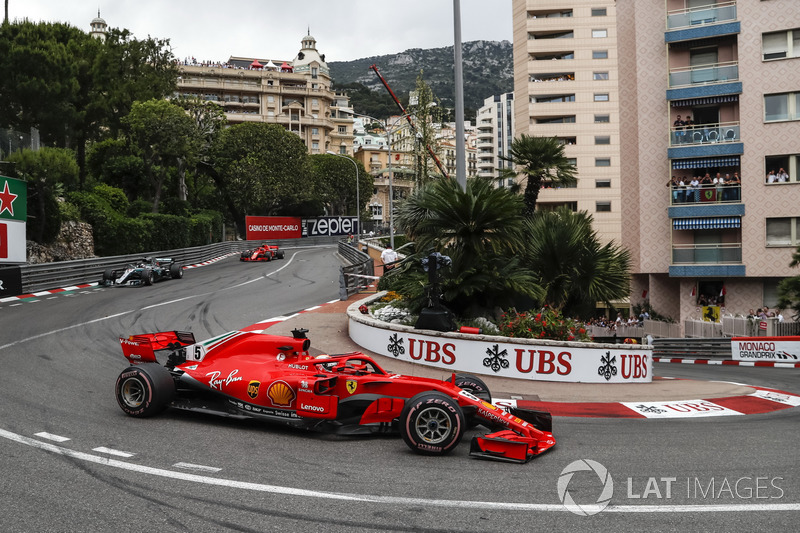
782 176
771 177
693 190
719 183
736 187
679 125
677 186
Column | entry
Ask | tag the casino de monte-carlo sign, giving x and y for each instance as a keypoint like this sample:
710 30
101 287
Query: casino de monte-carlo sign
13 214
529 359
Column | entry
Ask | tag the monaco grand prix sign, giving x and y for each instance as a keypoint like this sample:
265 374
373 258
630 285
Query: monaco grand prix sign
512 358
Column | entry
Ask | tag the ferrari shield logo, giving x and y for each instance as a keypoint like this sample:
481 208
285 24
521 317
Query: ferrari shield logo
351 385
252 389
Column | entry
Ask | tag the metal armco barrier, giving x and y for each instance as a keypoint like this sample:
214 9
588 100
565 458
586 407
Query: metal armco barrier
65 273
350 280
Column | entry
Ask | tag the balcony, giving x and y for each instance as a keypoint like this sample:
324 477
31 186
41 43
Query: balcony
704 74
704 254
704 134
552 76
701 16
727 194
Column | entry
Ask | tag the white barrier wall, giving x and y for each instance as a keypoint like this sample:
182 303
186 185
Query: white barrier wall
786 349
502 356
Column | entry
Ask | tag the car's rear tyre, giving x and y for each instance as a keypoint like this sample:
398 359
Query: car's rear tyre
144 390
280 254
431 423
148 277
176 271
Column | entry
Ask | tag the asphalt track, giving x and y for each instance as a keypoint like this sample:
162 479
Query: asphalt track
72 461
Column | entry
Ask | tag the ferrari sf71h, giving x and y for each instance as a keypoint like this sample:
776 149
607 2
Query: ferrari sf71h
273 378
265 252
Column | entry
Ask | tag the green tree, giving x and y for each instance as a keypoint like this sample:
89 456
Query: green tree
165 137
426 111
542 161
335 184
209 119
260 169
480 229
574 268
48 172
789 289
117 163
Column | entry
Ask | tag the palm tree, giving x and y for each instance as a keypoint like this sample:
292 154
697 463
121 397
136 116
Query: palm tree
571 264
542 160
480 229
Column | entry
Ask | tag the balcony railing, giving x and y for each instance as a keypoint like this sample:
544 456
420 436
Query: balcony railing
704 134
704 74
685 18
712 194
693 254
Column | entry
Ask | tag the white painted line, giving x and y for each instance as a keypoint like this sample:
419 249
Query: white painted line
43 293
167 303
52 297
9 299
312 308
40 335
334 301
786 399
111 451
201 468
14 305
50 436
390 500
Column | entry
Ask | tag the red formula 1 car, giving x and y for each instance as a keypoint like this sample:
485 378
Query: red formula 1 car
270 377
265 252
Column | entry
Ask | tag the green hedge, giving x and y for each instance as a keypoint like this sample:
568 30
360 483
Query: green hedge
117 234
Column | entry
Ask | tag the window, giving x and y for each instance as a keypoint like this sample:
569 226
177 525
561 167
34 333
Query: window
270 99
599 54
552 98
342 129
599 12
602 139
602 207
343 149
602 162
377 211
784 106
551 56
314 72
600 76
781 45
551 35
601 97
782 231
602 119
314 131
790 164
549 14
599 33
315 146
556 120
602 184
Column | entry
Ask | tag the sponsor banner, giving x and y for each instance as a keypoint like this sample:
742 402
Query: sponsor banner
13 200
10 281
779 397
781 349
567 362
327 226
269 228
12 241
679 409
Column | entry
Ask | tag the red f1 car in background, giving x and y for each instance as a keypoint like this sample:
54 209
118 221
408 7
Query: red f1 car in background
273 378
265 252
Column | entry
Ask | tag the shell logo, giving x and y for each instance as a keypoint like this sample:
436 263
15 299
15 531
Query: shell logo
280 394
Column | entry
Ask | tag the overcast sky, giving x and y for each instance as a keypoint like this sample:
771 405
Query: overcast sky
272 29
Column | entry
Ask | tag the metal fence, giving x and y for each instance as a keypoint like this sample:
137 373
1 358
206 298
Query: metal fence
65 273
356 276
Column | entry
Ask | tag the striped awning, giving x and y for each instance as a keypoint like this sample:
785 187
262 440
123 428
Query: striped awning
707 223
706 162
689 102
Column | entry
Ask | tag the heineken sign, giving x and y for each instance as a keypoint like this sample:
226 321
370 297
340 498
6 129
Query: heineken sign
13 214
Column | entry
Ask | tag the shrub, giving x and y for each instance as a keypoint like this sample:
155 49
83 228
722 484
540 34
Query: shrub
545 324
115 197
69 211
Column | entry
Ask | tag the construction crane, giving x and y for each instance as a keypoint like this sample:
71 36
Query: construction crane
410 122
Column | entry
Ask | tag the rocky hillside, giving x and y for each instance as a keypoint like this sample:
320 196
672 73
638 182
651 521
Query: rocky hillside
488 70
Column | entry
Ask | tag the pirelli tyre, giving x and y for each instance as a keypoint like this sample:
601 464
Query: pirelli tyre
473 385
147 276
280 254
432 423
144 390
108 276
175 271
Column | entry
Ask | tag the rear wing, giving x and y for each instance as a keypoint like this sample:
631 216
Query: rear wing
142 348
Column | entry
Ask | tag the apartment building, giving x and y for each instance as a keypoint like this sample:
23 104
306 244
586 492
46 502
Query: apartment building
566 86
732 67
296 94
495 125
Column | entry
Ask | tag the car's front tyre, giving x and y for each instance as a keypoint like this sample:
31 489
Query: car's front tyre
431 423
144 390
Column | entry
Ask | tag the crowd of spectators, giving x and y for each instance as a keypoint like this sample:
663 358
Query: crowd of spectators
725 188
763 313
777 177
